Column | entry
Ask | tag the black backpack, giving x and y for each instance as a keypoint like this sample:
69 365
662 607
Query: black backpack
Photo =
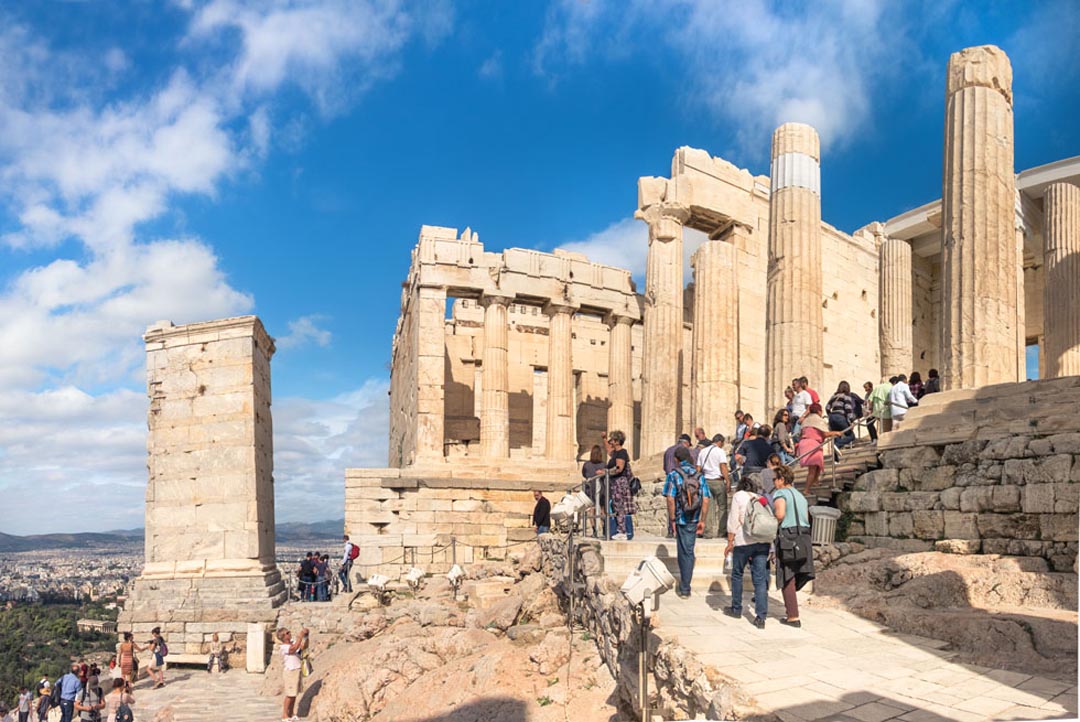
690 493
54 695
123 714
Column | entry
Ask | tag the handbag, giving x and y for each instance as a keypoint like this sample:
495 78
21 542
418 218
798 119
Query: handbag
793 543
306 669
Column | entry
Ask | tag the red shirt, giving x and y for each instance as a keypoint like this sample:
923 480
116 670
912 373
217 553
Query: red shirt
814 396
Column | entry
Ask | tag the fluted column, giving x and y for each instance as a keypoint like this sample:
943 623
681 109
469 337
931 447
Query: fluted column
714 390
978 270
894 308
1021 302
662 355
793 309
495 398
561 442
1061 290
620 377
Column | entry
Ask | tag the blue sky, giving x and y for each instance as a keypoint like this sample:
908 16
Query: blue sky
191 160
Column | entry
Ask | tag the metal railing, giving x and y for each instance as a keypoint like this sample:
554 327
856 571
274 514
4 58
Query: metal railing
863 421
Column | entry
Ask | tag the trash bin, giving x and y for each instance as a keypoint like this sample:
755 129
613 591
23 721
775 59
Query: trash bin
823 524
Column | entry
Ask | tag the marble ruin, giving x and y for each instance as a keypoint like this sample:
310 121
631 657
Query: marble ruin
210 563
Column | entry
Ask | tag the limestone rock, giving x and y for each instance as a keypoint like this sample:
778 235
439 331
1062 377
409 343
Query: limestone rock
552 653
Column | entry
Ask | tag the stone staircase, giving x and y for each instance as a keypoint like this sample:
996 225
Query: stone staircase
857 459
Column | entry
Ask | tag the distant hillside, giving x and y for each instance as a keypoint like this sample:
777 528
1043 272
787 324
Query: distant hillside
286 532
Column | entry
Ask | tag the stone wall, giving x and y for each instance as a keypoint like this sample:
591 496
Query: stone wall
1017 495
849 286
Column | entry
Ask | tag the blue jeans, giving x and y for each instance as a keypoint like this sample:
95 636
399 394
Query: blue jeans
758 556
343 574
685 538
542 530
67 709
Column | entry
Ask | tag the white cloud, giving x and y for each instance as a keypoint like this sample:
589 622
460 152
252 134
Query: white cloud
625 244
304 331
492 67
755 64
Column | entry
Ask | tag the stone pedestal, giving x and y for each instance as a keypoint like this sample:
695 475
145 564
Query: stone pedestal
620 378
793 308
256 648
662 355
1061 306
210 562
495 403
715 376
978 269
561 441
894 309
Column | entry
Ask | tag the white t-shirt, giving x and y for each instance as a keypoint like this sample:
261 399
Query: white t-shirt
899 398
710 460
739 504
800 402
291 660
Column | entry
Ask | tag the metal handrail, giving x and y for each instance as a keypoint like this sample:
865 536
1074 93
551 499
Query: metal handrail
862 421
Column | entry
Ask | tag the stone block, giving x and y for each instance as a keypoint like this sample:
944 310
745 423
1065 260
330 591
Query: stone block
894 501
1008 526
864 501
958 546
928 524
1038 471
959 525
1066 498
1040 447
256 648
1059 527
876 524
966 452
914 500
878 480
950 498
916 457
901 525
1005 498
1065 443
1037 498
976 498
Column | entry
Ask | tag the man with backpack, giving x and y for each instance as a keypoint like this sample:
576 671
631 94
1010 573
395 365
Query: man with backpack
90 701
688 505
351 553
751 528
65 691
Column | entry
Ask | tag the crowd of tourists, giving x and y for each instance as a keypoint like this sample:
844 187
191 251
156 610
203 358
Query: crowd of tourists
314 576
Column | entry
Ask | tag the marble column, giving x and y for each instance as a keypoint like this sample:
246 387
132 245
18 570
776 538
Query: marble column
495 399
1061 291
431 374
1021 302
978 270
620 377
662 355
714 391
894 307
793 307
562 444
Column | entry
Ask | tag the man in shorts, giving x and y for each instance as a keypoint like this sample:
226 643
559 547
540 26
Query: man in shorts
290 653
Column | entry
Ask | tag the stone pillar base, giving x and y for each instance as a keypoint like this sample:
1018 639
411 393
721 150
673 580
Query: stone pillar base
190 610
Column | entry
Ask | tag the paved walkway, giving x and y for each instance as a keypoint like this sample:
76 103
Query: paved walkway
196 696
839 666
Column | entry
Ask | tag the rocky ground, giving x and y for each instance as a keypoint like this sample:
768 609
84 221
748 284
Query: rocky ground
998 611
425 657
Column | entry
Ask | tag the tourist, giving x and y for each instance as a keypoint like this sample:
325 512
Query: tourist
344 574
684 440
306 577
22 704
217 654
740 428
541 516
915 384
592 470
745 551
90 701
322 576
768 475
713 465
688 522
789 394
622 501
596 464
794 551
755 451
157 648
44 701
781 436
815 430
292 664
900 399
119 697
70 686
933 383
879 401
805 384
800 402
125 657
868 411
842 414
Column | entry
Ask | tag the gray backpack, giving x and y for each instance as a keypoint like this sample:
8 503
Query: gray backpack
759 524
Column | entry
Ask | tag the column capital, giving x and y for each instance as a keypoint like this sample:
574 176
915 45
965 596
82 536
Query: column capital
665 220
614 318
555 307
985 66
501 298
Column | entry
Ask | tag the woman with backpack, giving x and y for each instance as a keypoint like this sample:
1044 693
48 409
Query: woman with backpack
794 550
749 542
158 650
118 703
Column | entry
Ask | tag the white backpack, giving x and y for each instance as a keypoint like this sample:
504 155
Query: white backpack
759 524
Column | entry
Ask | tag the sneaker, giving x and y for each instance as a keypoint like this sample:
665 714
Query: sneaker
759 622
618 537
733 613
796 623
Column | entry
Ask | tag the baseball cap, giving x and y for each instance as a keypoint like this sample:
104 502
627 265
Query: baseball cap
684 437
